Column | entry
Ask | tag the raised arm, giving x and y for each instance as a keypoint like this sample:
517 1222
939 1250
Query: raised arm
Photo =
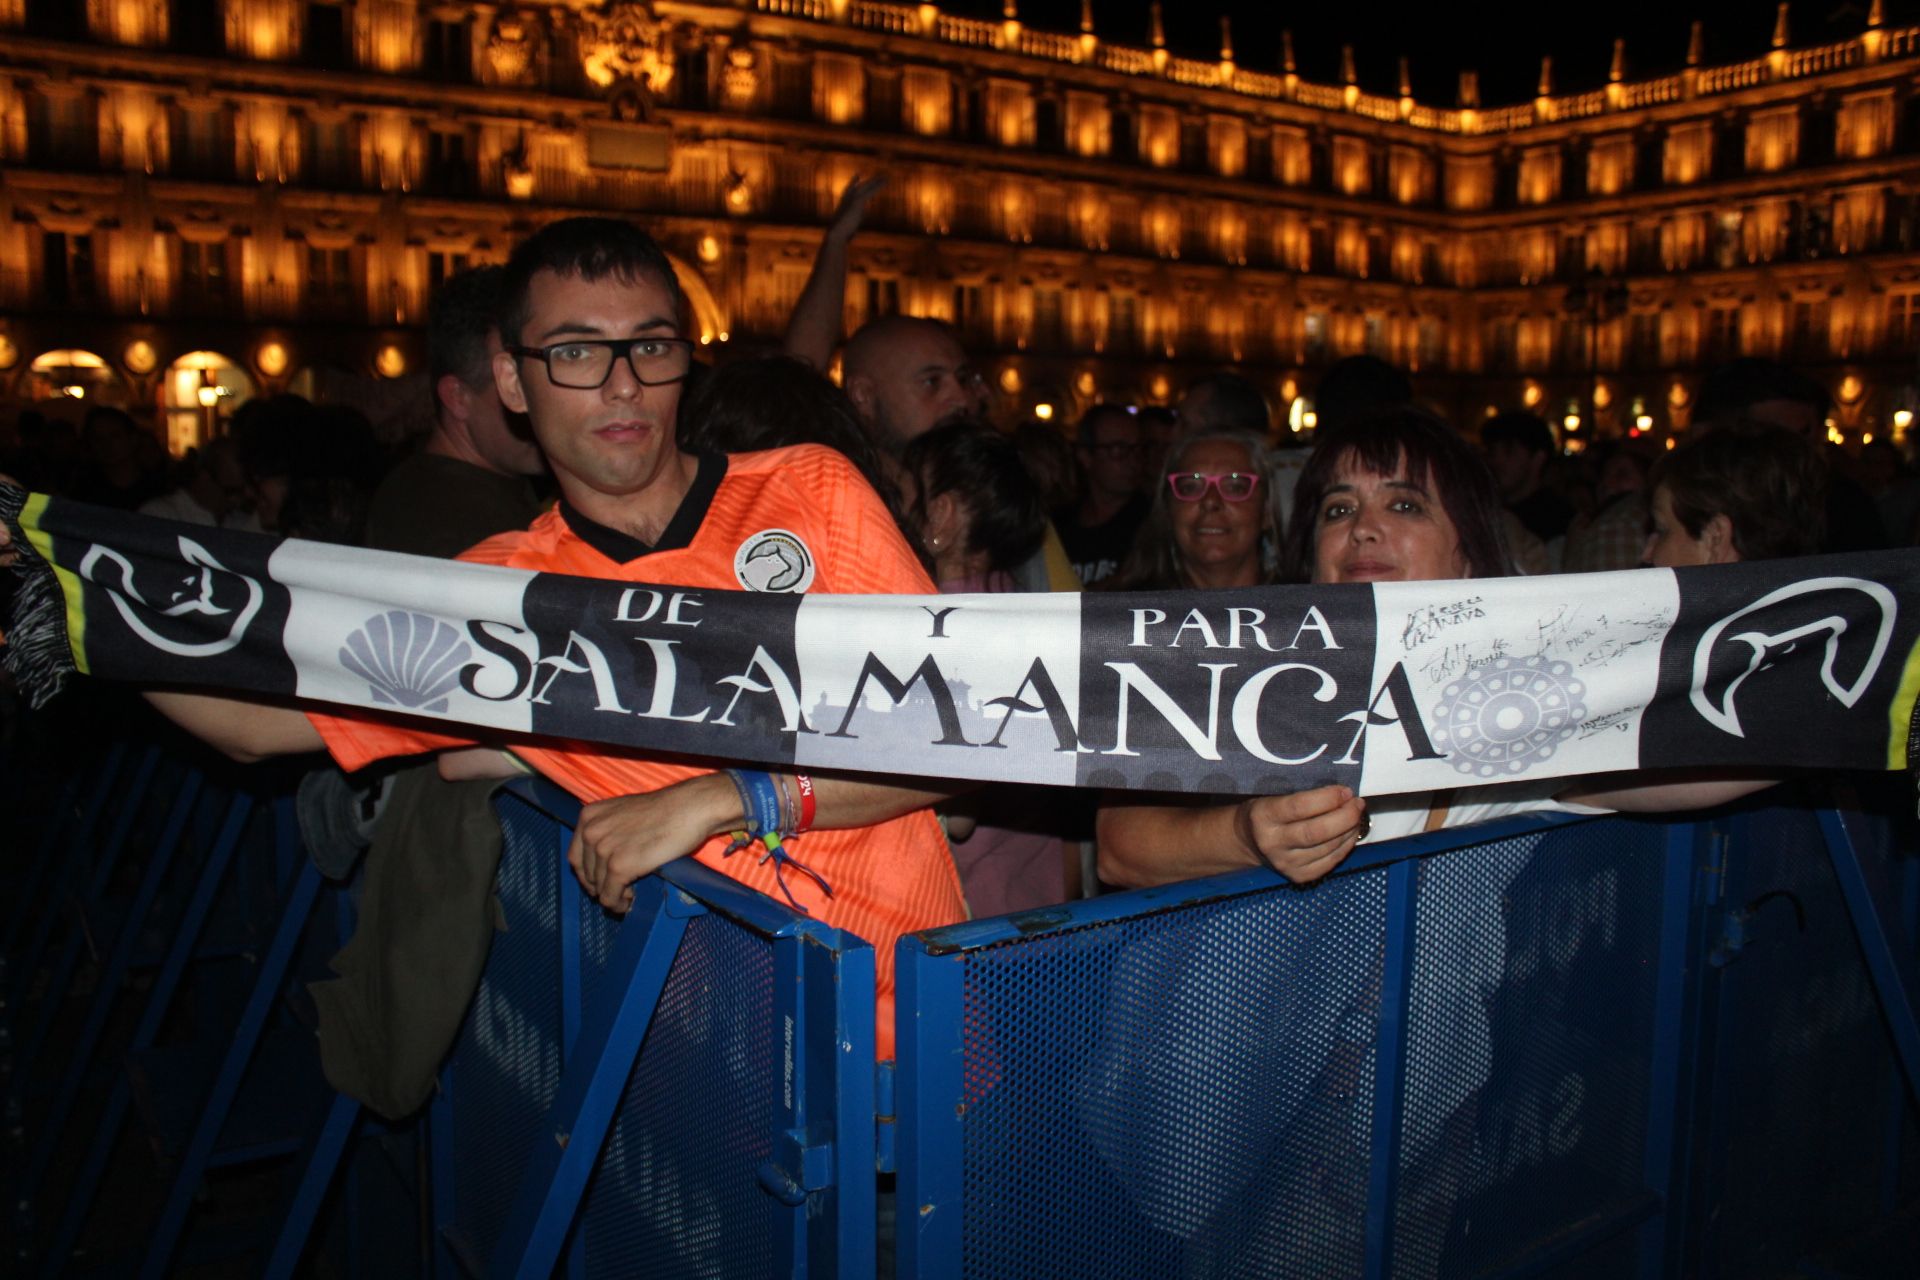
1303 836
619 840
814 327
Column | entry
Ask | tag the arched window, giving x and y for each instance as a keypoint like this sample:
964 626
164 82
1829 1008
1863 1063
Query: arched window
70 374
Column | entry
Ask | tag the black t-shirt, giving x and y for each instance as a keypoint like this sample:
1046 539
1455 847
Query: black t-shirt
1099 550
433 505
1545 513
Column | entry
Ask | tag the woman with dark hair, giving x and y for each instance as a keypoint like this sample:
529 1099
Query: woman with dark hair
979 514
1214 519
1744 492
1417 467
976 508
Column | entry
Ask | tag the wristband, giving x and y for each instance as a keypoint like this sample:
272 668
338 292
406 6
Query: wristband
804 785
787 809
759 800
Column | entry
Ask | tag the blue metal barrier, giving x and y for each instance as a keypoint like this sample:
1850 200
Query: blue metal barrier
219 908
1474 1053
1576 1047
692 1087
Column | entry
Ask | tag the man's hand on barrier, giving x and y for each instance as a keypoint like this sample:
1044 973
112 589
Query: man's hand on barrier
619 840
1305 835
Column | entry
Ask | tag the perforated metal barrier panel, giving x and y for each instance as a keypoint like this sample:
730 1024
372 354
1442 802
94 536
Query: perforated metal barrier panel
1477 1054
506 1065
1192 1091
1542 954
1802 1088
714 1151
677 1183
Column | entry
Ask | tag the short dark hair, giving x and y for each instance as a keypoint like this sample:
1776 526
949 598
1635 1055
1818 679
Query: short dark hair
1769 482
1358 387
1084 434
1237 403
982 466
1516 426
1729 391
460 315
1049 460
1423 445
591 248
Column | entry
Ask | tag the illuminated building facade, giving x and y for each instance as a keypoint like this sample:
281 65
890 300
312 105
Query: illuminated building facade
209 198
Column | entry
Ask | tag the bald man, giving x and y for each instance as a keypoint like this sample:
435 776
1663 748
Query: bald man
904 375
907 375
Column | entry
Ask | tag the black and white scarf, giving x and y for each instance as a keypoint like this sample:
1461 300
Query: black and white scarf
1395 687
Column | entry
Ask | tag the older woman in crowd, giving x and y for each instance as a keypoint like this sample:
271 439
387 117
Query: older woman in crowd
1214 521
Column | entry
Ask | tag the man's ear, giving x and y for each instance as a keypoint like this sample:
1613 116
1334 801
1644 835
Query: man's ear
1717 534
506 379
452 395
860 391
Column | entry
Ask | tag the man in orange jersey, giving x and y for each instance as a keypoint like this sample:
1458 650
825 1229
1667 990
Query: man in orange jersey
594 356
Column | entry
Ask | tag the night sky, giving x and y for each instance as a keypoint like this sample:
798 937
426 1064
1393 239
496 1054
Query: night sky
1503 41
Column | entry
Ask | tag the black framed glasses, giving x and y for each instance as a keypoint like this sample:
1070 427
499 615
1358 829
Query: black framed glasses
585 364
1232 486
1116 450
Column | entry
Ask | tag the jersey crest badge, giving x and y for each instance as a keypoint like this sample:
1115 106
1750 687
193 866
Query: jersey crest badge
774 560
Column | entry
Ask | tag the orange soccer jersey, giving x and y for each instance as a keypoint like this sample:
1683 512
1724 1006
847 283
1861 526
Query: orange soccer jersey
888 879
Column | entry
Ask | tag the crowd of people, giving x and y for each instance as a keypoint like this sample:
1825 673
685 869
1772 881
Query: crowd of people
574 431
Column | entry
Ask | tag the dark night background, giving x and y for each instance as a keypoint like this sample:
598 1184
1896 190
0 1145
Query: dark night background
1503 41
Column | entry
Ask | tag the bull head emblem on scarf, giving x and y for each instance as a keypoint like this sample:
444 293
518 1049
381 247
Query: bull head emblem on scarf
195 596
1842 610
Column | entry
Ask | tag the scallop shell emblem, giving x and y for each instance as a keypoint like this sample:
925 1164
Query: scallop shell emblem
1502 718
408 660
